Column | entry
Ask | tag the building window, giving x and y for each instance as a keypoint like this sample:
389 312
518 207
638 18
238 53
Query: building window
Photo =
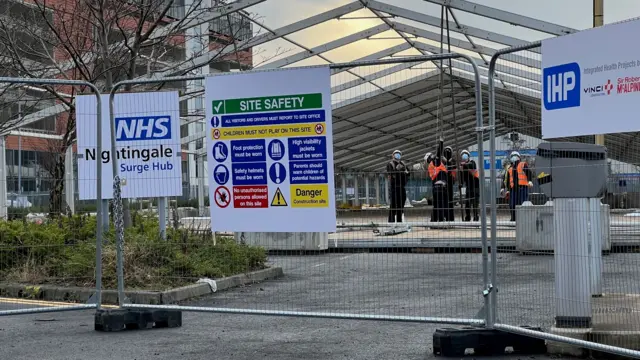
241 28
199 103
177 9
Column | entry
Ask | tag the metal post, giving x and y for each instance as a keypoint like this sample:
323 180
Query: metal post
356 190
162 216
3 178
493 295
386 191
377 189
200 171
598 20
19 162
366 190
69 184
344 188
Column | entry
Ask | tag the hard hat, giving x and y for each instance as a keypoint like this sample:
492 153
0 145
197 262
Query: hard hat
427 156
465 152
514 153
397 152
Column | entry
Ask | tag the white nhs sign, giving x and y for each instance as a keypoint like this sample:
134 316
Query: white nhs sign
561 86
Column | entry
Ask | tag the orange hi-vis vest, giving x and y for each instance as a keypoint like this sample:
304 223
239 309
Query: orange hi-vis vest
475 173
522 177
435 170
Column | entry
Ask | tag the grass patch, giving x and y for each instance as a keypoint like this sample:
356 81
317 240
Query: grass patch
62 252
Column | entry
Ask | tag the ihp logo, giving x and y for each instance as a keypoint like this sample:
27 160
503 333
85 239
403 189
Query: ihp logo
561 86
143 128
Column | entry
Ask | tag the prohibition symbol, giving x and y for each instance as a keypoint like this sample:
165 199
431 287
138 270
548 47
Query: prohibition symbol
216 134
319 129
222 197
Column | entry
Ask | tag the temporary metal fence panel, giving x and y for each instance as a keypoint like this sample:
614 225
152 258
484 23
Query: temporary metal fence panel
568 288
378 106
44 249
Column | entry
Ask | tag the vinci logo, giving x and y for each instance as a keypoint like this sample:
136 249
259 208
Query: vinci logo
561 86
599 90
143 128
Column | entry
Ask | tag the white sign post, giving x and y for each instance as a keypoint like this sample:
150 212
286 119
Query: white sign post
591 82
147 145
270 151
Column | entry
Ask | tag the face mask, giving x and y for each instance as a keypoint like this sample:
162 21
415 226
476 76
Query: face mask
397 156
514 159
465 157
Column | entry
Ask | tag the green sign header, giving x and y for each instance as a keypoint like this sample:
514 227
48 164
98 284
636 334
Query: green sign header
267 104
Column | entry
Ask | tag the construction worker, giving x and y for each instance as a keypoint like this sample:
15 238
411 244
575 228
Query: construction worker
471 180
450 163
518 179
439 178
398 175
427 160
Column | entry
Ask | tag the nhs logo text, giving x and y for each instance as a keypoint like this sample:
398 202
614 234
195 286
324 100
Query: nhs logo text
561 86
143 128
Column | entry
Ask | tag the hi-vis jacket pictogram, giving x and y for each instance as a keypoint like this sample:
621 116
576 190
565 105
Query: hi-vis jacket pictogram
522 176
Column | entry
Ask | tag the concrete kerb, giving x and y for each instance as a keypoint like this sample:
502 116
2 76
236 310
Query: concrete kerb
110 297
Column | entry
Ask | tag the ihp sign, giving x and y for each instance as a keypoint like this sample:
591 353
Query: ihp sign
591 84
561 86
148 146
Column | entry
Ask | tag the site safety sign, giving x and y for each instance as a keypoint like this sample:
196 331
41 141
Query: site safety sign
270 151
148 148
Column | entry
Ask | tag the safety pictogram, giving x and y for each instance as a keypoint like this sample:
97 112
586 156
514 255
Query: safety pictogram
216 134
319 129
221 174
278 199
222 197
220 151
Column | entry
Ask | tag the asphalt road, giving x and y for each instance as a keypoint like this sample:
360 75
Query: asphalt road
435 285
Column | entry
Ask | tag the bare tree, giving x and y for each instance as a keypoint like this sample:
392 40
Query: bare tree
98 41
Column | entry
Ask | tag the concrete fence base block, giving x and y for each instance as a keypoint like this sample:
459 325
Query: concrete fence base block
131 319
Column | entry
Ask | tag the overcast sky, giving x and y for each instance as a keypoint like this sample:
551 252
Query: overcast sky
572 13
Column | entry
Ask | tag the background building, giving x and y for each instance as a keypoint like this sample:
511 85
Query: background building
28 115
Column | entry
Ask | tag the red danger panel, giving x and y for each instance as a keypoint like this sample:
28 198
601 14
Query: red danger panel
246 197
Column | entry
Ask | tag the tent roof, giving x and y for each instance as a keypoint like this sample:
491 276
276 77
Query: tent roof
405 117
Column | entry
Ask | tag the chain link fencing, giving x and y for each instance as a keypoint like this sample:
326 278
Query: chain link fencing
45 250
566 265
414 271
